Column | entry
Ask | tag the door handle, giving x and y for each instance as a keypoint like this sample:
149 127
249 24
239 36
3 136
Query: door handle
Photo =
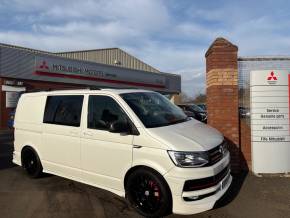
88 134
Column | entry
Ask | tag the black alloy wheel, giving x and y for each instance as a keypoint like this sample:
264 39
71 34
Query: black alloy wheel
148 193
31 163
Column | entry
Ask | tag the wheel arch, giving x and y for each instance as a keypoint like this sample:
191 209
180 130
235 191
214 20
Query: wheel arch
134 168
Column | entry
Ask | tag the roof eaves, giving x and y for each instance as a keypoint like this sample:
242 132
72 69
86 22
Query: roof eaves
88 50
264 58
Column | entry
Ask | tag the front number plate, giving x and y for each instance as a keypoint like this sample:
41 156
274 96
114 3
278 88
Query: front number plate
225 182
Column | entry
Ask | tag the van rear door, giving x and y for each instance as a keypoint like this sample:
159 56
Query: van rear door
61 134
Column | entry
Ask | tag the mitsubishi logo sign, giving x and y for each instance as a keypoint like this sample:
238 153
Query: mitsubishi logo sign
44 65
272 78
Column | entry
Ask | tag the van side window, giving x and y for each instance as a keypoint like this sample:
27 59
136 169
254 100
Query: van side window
63 110
102 111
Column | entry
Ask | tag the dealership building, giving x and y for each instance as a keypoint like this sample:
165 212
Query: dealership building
248 101
248 98
28 70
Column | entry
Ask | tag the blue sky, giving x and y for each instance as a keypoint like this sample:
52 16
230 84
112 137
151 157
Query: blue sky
171 35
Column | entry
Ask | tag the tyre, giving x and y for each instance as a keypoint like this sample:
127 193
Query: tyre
31 163
148 193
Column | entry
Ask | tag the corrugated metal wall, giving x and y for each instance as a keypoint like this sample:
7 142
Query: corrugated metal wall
111 56
2 45
16 62
104 56
22 63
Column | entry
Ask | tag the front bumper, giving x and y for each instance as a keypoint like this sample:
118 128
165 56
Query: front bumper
182 200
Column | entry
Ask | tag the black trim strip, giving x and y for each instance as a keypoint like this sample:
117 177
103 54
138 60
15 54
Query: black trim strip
199 184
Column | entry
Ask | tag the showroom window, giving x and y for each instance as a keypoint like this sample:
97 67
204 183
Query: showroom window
63 110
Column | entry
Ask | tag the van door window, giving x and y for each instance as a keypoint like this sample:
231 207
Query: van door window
102 111
63 110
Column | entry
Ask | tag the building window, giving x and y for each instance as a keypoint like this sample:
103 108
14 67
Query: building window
63 110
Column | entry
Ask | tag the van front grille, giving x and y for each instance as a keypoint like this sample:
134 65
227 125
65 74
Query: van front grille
215 155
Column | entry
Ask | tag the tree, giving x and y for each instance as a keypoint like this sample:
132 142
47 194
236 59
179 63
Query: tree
199 99
185 98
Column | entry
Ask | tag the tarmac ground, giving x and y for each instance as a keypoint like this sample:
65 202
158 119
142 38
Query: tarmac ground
53 196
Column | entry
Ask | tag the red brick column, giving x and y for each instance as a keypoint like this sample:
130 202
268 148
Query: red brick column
222 93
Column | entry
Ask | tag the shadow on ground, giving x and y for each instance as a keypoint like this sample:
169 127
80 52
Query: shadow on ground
6 150
234 190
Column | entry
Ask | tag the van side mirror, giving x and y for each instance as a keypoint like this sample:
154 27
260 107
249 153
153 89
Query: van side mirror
119 127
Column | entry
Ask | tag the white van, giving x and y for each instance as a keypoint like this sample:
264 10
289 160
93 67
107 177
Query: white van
134 143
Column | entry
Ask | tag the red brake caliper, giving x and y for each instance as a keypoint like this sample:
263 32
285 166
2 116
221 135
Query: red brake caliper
155 187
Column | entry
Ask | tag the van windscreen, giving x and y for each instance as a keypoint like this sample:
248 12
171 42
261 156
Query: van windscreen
153 109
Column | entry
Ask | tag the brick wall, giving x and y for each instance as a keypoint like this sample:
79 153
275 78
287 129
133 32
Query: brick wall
222 93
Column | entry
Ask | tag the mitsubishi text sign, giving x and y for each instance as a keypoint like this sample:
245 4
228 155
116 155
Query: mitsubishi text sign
270 121
56 67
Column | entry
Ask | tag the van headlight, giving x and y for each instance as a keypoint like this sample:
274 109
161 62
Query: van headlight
188 159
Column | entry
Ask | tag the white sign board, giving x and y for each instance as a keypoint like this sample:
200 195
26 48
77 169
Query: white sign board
72 69
12 99
270 121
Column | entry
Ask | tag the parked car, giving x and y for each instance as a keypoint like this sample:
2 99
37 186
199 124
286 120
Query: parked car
189 114
10 121
134 143
198 113
202 106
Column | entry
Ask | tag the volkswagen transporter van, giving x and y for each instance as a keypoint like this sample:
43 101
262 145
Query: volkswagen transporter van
134 143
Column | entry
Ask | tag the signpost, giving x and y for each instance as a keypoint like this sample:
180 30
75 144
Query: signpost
12 99
270 131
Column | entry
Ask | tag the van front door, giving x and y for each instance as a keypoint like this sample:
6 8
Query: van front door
105 156
61 135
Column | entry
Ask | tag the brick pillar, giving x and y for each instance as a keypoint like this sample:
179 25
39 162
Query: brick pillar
222 93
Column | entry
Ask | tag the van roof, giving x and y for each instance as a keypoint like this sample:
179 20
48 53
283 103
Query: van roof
87 91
